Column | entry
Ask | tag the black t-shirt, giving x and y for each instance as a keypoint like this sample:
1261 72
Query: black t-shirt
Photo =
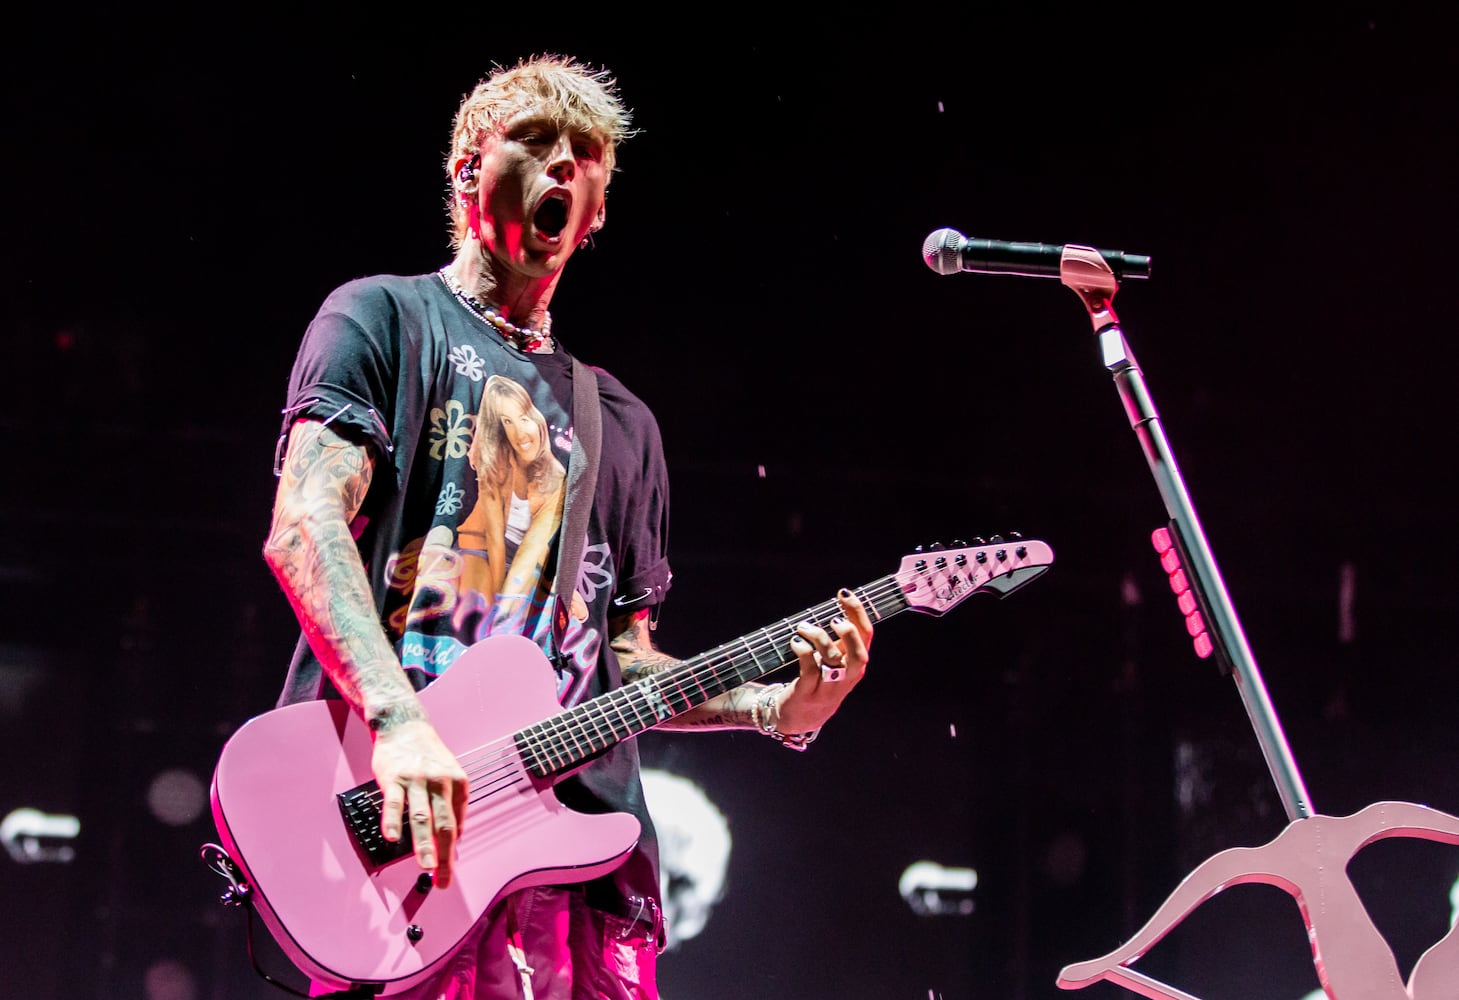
471 440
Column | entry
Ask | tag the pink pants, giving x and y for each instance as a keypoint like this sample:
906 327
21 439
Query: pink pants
571 952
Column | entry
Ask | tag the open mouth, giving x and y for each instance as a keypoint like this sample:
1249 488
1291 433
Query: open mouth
551 217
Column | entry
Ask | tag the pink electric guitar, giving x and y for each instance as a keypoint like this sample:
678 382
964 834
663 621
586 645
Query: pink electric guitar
297 807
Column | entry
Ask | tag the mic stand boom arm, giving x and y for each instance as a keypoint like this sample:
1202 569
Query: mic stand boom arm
1084 271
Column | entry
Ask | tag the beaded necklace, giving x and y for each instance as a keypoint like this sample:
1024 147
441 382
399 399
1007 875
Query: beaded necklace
525 340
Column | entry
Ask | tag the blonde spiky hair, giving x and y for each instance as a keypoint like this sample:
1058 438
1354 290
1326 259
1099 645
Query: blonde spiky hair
570 92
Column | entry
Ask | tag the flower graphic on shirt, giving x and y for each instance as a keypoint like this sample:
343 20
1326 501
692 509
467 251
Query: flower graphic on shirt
468 362
450 430
450 500
596 574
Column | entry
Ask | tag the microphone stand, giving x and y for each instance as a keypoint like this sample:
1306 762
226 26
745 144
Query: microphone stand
1088 275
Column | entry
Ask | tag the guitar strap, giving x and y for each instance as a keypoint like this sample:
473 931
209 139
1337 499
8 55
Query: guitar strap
582 478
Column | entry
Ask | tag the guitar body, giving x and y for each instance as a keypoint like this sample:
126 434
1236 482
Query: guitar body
342 918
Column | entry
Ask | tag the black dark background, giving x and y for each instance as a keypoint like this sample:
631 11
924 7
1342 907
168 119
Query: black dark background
181 190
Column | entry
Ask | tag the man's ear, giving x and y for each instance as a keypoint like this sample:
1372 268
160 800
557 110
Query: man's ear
464 170
600 218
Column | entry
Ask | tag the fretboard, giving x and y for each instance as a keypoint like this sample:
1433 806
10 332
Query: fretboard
566 740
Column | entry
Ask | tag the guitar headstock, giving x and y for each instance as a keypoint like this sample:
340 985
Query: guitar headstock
938 578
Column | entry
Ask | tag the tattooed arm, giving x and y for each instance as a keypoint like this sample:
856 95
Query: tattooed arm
637 658
802 705
314 557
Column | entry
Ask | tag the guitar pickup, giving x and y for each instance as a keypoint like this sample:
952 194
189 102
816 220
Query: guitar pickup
360 807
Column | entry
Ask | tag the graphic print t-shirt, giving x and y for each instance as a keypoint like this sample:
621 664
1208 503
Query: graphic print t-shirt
471 441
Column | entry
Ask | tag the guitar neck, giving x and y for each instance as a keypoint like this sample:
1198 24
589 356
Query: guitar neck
568 739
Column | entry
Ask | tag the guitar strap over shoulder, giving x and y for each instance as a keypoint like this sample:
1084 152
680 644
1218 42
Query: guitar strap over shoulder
582 478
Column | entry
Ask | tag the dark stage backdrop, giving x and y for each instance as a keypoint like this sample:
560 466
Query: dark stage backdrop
180 192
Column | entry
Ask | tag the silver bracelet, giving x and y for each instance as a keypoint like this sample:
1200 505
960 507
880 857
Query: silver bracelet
759 715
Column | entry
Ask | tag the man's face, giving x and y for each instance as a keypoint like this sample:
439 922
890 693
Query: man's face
541 191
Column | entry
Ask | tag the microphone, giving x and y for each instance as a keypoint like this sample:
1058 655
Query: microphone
948 251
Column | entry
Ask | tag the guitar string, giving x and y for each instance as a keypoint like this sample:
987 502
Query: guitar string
573 724
496 756
492 763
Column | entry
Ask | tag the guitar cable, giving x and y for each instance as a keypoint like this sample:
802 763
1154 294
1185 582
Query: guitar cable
240 893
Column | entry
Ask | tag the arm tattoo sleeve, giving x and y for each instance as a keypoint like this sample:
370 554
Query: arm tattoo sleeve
314 557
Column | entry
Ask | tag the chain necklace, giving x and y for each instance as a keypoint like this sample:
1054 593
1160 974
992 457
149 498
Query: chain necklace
525 340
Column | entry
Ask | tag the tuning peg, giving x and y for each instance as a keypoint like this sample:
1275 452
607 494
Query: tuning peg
1015 536
979 540
995 539
958 543
936 547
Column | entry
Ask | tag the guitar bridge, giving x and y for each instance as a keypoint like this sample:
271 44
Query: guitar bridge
360 807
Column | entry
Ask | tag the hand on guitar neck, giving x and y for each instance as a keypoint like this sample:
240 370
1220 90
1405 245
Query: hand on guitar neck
832 662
